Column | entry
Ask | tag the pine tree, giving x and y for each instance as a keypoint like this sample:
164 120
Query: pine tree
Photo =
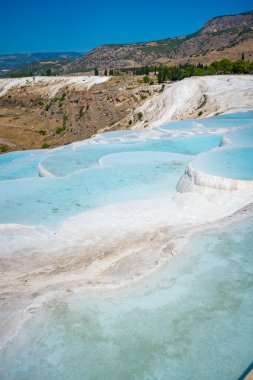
96 71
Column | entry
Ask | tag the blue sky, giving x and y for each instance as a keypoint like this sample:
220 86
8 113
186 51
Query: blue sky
78 25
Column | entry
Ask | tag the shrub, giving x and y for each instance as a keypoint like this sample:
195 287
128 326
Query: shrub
81 112
130 122
45 146
42 132
64 120
140 115
146 79
200 113
60 130
151 82
3 148
63 96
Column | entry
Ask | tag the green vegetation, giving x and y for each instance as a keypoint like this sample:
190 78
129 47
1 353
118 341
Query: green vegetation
47 107
45 146
173 73
140 115
42 132
3 148
64 120
63 97
96 71
20 74
224 66
130 122
48 73
146 79
81 112
59 130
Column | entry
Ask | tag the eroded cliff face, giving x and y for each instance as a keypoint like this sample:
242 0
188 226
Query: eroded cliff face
33 116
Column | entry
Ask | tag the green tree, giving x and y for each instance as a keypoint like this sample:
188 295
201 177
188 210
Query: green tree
48 73
96 71
146 79
240 67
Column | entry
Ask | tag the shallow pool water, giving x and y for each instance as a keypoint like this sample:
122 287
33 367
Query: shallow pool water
120 177
69 160
118 166
192 320
93 175
234 163
18 165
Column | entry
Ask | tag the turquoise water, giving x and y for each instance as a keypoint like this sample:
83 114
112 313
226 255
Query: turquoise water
119 166
243 138
227 120
93 175
192 320
235 159
122 177
230 163
89 155
18 165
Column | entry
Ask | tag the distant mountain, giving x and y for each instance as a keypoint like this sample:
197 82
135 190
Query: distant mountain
221 37
12 62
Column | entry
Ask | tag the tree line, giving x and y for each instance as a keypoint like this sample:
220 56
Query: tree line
173 73
225 66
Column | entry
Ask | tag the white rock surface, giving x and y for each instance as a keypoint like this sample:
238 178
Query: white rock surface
196 180
182 100
49 86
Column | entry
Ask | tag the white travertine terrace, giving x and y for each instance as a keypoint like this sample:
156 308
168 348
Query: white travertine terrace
210 94
49 86
196 180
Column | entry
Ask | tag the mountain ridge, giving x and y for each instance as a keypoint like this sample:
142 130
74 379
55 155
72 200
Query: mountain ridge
15 61
233 32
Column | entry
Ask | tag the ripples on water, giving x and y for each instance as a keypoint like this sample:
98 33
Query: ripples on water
192 320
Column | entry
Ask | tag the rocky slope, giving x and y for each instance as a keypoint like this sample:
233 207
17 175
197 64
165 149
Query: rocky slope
49 112
52 111
32 61
221 37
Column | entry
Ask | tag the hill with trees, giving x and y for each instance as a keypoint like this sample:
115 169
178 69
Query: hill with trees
221 37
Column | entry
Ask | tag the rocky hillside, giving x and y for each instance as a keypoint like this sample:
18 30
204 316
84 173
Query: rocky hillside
35 61
48 112
221 37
